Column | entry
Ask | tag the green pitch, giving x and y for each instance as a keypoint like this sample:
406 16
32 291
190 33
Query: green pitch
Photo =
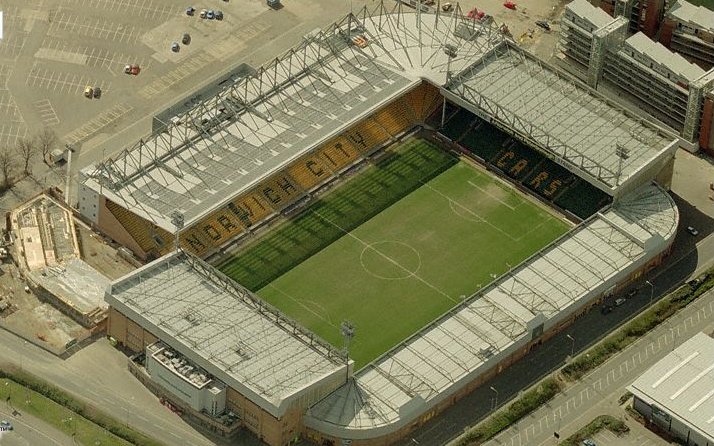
393 248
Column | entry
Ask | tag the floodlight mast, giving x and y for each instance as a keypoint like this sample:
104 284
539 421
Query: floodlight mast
450 51
178 221
347 329
622 154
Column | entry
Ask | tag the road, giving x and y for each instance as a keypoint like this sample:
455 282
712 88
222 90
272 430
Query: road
31 431
570 410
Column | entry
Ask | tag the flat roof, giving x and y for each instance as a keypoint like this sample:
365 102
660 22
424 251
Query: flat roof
701 17
662 55
585 10
562 116
682 384
226 330
492 323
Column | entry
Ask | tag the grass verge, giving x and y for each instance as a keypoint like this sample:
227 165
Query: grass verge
635 329
518 409
29 394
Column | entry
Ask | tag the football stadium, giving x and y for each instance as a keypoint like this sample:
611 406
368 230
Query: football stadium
343 243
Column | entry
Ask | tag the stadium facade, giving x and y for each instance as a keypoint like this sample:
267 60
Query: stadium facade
260 149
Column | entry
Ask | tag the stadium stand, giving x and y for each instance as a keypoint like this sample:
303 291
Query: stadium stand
525 165
458 124
310 172
424 100
582 199
147 235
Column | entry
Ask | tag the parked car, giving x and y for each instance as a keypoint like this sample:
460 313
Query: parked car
543 24
589 442
203 14
5 425
186 38
132 69
632 293
210 15
97 92
607 308
88 92
692 231
175 47
219 15
446 7
620 301
190 10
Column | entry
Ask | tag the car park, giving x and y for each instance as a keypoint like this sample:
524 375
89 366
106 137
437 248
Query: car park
620 301
692 230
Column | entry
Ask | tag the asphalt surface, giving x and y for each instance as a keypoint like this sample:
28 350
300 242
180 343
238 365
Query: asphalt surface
31 431
690 255
570 410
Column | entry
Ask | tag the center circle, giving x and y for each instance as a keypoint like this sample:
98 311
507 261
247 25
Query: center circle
390 260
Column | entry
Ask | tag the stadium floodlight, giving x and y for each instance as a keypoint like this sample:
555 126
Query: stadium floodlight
177 220
347 329
622 154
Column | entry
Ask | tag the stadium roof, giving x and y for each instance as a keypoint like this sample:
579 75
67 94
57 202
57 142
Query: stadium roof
497 321
585 10
318 89
662 55
561 116
682 384
701 17
223 328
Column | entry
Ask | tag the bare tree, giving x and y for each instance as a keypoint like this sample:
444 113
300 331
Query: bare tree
27 150
46 141
7 164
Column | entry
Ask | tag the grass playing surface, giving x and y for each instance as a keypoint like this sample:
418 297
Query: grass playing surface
393 248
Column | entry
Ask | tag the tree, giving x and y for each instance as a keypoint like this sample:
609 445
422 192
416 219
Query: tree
46 141
27 150
7 163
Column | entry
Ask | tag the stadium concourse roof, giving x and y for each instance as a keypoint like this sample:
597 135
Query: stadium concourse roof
497 321
222 327
318 89
682 384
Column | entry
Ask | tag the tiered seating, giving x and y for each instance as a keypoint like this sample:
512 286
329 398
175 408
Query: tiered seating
582 199
459 123
549 179
309 172
517 160
280 191
396 117
367 136
484 140
141 230
424 100
338 153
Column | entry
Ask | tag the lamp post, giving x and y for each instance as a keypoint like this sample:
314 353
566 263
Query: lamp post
651 290
495 404
572 345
